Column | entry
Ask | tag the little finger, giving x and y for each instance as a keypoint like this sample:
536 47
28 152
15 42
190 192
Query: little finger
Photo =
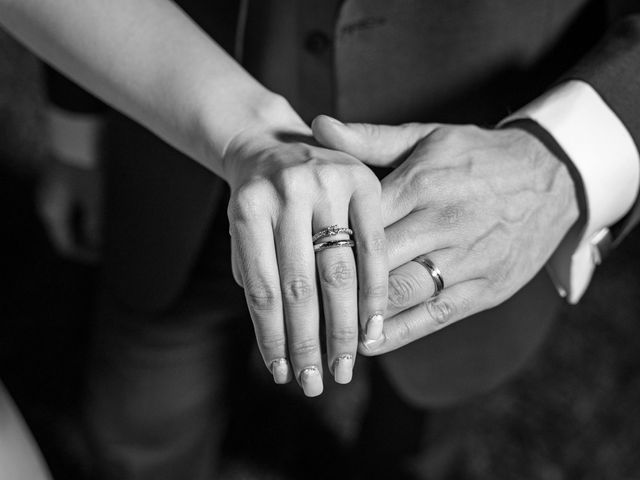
451 305
254 251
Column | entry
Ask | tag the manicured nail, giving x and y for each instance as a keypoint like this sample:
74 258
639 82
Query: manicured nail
343 368
370 345
374 327
311 381
281 371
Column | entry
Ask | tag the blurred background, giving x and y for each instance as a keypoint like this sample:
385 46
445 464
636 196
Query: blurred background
574 413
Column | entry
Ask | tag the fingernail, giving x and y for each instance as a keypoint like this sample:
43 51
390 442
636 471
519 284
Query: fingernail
371 344
280 370
311 381
374 327
343 369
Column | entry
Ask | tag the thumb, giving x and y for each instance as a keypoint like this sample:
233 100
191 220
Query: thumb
375 145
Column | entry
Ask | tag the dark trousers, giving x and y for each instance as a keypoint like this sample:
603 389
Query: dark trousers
162 388
158 384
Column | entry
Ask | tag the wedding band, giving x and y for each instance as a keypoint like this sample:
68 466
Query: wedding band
434 272
330 232
318 247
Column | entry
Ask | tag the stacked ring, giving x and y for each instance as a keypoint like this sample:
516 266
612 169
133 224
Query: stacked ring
331 231
318 247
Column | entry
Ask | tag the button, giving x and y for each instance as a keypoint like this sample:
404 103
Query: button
601 245
317 42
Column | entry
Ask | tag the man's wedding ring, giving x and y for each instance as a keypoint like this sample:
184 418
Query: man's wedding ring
434 273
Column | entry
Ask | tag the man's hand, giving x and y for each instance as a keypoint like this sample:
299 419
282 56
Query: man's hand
488 208
69 201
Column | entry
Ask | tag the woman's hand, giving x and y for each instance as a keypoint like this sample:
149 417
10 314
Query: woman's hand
285 188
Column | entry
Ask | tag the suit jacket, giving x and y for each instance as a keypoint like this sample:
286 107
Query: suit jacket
386 61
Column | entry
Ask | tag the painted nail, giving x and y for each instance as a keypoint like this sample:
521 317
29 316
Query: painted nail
343 369
374 327
311 381
281 371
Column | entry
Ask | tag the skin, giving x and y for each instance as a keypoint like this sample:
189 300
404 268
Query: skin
149 60
277 203
488 207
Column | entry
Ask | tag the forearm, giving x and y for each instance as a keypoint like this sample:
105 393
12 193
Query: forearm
149 60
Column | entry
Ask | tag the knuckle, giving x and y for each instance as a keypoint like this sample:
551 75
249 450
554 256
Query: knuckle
298 290
405 330
289 177
272 342
328 175
367 178
342 334
305 347
374 291
248 201
295 181
261 297
338 274
442 133
376 245
441 310
420 179
451 215
401 290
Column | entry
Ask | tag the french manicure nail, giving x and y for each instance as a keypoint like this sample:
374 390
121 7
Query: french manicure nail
311 381
374 327
280 371
343 369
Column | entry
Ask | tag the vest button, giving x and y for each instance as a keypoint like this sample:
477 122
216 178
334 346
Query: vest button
317 42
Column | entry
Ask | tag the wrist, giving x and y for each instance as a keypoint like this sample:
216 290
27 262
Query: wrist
554 176
259 116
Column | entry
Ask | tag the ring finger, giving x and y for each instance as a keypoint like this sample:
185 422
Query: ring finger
337 277
416 281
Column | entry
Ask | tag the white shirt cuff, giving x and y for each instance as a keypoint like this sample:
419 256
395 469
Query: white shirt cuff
74 138
607 159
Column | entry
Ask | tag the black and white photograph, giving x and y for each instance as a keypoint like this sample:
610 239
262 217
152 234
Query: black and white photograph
319 239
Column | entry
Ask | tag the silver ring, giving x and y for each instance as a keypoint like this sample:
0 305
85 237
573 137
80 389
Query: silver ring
330 232
434 273
318 247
